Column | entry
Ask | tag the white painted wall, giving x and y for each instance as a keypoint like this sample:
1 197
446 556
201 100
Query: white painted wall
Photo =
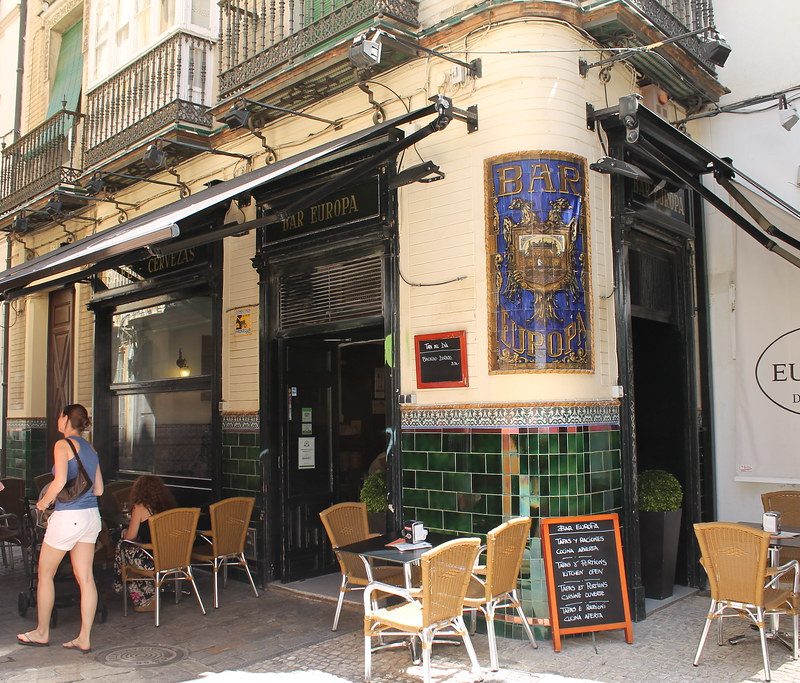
9 40
764 60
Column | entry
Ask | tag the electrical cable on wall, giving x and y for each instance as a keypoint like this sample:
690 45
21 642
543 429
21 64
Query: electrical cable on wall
430 284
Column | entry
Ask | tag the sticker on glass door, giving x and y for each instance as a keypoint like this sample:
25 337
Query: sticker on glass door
306 458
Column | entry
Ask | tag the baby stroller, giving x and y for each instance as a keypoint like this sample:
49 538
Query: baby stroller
34 533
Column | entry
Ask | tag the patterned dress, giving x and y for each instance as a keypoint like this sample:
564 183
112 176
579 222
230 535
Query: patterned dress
140 592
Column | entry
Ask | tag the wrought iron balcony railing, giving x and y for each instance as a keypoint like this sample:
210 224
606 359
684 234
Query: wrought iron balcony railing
43 159
169 85
258 36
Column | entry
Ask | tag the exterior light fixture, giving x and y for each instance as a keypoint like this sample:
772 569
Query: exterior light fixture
421 173
717 50
365 53
183 366
96 185
787 115
19 224
612 166
154 157
235 117
54 206
240 115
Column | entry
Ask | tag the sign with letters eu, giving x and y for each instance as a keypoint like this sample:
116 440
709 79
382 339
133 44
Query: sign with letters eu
537 242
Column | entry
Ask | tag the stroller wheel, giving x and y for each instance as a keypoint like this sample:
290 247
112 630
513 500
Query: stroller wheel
54 618
22 604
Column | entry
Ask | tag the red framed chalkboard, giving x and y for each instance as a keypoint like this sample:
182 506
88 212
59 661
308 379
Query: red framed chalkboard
585 574
441 360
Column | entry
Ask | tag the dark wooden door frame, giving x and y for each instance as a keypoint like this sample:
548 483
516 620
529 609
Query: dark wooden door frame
626 224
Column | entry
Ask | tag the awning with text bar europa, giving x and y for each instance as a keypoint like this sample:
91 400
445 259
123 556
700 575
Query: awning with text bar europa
160 229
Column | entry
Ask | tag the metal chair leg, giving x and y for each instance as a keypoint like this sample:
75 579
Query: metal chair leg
763 637
493 660
525 624
124 596
342 590
427 646
215 569
158 599
711 611
249 575
367 658
194 587
473 658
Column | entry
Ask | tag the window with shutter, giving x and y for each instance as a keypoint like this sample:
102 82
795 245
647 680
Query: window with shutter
69 72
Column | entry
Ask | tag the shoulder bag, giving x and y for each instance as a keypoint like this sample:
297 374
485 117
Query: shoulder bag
73 489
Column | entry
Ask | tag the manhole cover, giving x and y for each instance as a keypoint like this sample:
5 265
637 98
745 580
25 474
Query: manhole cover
141 655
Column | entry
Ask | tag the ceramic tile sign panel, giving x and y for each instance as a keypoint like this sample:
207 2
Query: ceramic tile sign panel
441 360
585 574
537 244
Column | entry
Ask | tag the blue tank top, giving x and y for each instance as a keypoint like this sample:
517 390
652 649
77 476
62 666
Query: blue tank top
90 461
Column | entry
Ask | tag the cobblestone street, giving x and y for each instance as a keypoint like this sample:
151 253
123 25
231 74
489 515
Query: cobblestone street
282 636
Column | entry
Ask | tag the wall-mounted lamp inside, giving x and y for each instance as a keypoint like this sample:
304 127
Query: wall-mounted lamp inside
183 366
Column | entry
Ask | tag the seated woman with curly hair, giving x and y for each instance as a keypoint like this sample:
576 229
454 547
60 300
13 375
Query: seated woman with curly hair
149 496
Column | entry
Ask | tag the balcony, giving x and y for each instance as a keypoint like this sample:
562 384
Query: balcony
44 160
684 68
166 93
261 40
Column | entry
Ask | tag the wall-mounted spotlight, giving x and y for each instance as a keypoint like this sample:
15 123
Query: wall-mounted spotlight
96 185
612 166
240 114
154 157
54 206
235 117
365 53
787 115
717 50
183 365
421 173
19 224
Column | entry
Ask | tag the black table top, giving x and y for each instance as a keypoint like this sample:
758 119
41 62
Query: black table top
376 548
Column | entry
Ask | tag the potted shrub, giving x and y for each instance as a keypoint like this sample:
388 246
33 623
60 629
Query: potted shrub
660 507
374 494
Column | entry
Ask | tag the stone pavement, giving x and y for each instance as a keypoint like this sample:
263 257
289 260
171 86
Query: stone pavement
283 637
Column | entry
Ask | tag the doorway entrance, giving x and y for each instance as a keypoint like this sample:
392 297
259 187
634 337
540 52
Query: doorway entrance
334 435
59 361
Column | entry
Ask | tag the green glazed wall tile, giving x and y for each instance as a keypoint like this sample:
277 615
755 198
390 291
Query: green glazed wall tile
429 480
415 460
487 483
470 462
431 518
407 441
455 442
425 441
440 500
471 502
494 463
456 481
409 479
458 521
486 443
415 498
442 461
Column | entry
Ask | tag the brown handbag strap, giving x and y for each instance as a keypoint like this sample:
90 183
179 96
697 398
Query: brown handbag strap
78 458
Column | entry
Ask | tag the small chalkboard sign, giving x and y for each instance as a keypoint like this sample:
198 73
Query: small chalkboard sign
585 575
441 360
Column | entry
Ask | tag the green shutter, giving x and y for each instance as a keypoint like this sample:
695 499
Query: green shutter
69 72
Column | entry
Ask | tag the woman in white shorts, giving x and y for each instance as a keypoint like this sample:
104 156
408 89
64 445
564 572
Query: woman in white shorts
73 528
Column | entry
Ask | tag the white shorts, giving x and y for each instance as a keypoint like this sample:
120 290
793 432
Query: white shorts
65 528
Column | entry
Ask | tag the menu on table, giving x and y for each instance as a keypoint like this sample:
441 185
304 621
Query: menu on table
585 575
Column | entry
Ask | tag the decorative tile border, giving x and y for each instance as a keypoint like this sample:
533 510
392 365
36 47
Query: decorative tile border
21 423
240 422
511 415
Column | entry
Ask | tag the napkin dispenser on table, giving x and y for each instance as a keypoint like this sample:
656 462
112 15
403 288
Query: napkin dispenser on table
414 532
771 522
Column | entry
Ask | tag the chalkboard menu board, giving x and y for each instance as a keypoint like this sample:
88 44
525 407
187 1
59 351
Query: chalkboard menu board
441 360
585 575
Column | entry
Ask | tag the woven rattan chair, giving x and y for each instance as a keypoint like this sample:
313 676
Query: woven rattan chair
346 523
12 509
42 480
230 519
788 504
735 559
173 533
494 586
436 607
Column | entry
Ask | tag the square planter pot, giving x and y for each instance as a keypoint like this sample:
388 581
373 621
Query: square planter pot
658 534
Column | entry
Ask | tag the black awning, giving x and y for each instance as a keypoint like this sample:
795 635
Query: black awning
652 142
163 224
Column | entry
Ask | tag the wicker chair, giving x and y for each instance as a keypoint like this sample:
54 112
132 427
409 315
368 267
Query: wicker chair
788 504
229 521
12 509
436 607
346 523
42 480
173 533
735 559
494 586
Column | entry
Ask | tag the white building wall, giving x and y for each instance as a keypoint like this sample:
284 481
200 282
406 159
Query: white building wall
9 42
764 60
